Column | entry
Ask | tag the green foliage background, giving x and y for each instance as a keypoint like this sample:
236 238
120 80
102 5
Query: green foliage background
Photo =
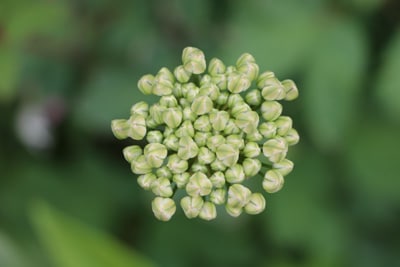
67 68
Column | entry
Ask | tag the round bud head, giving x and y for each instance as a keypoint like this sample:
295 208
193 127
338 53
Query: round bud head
292 137
140 165
197 167
168 101
202 105
237 82
162 187
163 208
220 81
222 98
235 174
201 138
239 108
271 110
235 140
191 206
218 196
231 127
267 129
227 154
253 97
238 196
187 148
202 124
251 150
256 204
172 117
251 167
208 212
218 165
181 74
176 164
138 127
218 179
188 114
283 125
146 84
154 137
146 180
291 91
273 181
193 60
155 154
198 185
213 142
140 108
284 166
219 119
171 142
233 211
273 90
120 128
132 152
164 172
181 179
275 149
249 70
205 156
244 59
254 136
264 78
156 113
234 100
247 121
186 129
216 66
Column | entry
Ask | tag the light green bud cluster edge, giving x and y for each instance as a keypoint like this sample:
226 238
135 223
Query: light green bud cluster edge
212 129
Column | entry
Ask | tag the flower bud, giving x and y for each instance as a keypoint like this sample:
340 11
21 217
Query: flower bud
193 60
213 142
230 69
251 167
253 97
201 138
245 58
154 137
208 212
273 181
275 149
202 124
234 100
238 195
155 154
292 137
151 123
162 187
163 208
237 82
220 81
186 129
198 185
171 142
218 179
146 83
172 117
233 211
146 180
164 82
254 136
181 179
191 206
216 66
205 156
283 125
198 167
227 154
219 119
235 140
235 174
231 127
205 80
247 121
187 148
239 109
218 165
264 78
273 90
202 105
291 90
256 204
120 128
284 166
138 127
181 74
188 114
164 172
251 150
140 108
249 70
177 90
156 112
218 196
210 90
168 101
267 129
191 95
222 98
132 152
140 165
271 110
168 131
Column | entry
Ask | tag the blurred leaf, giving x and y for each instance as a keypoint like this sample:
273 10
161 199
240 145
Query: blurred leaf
9 74
72 244
388 84
332 83
10 255
364 5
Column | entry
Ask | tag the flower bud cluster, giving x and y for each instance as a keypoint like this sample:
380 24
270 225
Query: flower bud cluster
211 130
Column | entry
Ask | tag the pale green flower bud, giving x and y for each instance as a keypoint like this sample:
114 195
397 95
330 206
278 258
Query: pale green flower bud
155 154
253 97
219 119
181 179
151 123
238 195
213 142
188 87
140 108
292 137
235 174
291 90
138 127
186 129
251 167
146 180
237 82
234 100
198 185
256 204
231 127
163 208
273 90
191 206
218 196
171 142
164 83
216 66
164 172
172 117
254 136
222 98
284 166
181 74
168 131
202 105
146 83
218 165
271 110
140 165
228 154
247 121
187 148
205 156
156 113
220 81
210 90
202 124
250 70
192 94
267 129
154 137
251 150
168 101
235 140
162 187
239 108
198 167
264 78
177 90
205 80
132 152
230 69
188 114
283 125
245 58
275 149
193 60
208 212
218 179
273 181
120 128
233 211
201 138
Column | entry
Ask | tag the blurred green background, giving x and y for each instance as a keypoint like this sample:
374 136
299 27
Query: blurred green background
67 68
